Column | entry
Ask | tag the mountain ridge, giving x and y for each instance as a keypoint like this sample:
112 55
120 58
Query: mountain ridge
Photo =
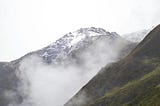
70 41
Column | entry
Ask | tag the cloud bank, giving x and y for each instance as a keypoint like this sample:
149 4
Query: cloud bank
45 84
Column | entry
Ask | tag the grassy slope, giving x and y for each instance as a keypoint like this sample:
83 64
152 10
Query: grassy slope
142 92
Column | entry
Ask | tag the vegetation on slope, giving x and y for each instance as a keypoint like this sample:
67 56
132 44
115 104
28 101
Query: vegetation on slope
142 92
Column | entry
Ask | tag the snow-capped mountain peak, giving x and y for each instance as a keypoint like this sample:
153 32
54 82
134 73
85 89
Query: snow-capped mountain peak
87 32
65 44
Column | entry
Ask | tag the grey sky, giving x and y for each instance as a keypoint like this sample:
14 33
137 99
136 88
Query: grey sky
27 25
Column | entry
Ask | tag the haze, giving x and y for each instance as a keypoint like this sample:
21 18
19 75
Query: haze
27 25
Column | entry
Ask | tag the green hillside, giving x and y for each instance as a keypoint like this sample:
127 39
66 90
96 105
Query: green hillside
142 92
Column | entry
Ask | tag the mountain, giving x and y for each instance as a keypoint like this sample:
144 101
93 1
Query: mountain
77 48
132 81
72 41
72 46
82 38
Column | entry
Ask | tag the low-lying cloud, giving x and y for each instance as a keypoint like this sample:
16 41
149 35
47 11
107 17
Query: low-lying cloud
45 84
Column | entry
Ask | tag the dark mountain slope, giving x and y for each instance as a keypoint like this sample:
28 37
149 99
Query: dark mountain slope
8 85
141 62
142 92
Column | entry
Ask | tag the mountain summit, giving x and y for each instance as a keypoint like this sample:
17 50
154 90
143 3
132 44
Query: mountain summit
73 40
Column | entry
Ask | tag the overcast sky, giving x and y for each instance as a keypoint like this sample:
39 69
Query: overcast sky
27 25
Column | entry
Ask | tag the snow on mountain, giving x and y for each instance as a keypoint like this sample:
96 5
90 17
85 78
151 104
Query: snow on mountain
72 41
136 36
